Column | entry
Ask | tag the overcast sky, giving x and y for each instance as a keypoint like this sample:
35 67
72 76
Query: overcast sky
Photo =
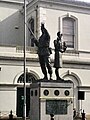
84 0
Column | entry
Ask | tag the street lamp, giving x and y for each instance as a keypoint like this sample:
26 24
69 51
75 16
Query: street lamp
24 106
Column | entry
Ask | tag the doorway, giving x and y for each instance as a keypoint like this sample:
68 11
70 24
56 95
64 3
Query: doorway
20 101
20 94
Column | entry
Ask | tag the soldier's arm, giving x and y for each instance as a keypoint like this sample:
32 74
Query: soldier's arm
64 47
35 41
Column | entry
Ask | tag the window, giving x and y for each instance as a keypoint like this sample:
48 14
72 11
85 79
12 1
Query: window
29 78
69 31
30 36
68 25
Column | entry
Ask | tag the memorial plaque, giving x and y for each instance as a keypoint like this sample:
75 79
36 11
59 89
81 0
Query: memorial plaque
56 107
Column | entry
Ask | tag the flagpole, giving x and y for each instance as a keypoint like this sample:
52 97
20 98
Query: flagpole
24 106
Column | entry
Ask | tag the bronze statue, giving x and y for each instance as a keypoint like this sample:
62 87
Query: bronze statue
44 52
59 47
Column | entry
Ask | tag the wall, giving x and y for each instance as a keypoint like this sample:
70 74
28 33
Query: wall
11 18
7 100
52 19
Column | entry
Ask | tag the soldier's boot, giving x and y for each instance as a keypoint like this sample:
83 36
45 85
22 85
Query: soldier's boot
51 77
57 74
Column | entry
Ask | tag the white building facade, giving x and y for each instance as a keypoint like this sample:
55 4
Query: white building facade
69 17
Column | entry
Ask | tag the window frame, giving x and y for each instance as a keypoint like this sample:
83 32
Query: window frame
29 34
75 48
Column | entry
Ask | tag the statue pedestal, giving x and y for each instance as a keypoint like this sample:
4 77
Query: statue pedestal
51 97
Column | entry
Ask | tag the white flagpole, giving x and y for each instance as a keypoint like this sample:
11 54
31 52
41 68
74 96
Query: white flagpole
24 107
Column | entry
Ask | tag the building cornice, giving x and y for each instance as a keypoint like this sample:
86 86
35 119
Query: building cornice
65 5
76 64
7 85
68 61
11 2
10 58
84 88
68 2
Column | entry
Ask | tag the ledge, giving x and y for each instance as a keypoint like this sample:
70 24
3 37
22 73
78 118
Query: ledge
10 1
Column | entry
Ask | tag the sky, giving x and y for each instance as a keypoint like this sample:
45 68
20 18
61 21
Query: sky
84 0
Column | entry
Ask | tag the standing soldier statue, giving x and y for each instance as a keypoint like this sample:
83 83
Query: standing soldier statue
44 52
59 47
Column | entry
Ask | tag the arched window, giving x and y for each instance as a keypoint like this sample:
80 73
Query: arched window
68 30
69 75
29 78
30 36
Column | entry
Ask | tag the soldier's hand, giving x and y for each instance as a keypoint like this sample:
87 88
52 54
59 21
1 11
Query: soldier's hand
42 25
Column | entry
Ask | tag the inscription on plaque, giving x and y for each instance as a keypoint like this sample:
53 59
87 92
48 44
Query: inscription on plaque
56 107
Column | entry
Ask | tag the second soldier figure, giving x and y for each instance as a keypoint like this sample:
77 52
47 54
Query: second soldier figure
59 47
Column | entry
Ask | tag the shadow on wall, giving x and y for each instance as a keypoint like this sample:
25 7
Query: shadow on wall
12 30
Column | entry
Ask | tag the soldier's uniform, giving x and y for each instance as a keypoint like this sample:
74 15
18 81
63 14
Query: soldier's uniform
44 52
57 61
58 48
